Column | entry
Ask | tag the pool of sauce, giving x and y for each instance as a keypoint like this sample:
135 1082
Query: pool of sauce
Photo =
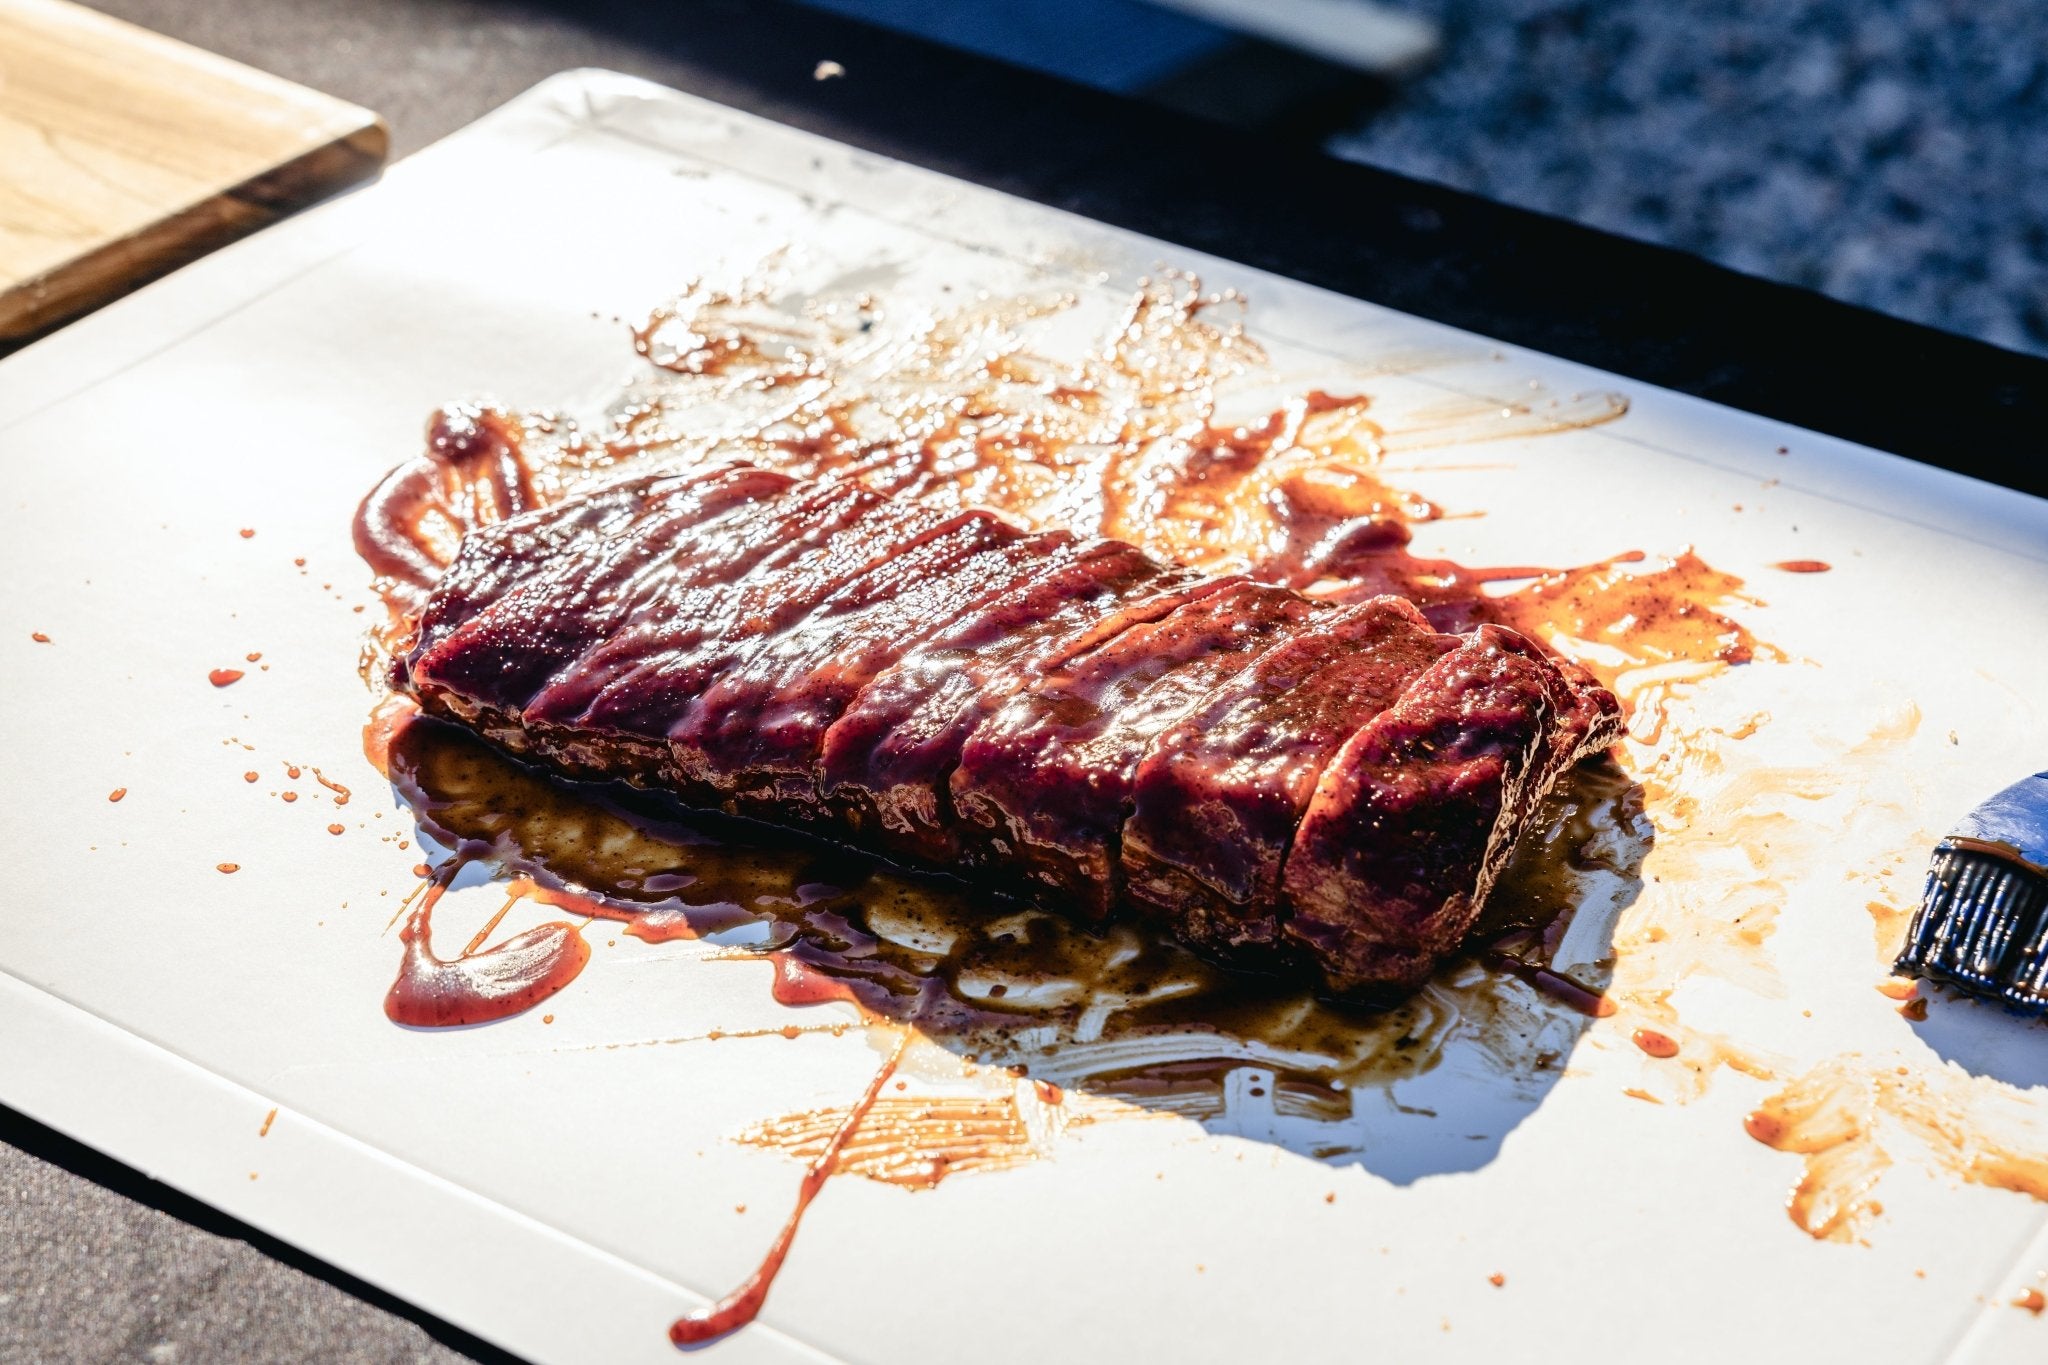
1008 983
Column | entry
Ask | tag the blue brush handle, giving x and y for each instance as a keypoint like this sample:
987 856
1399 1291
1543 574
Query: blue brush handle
2017 817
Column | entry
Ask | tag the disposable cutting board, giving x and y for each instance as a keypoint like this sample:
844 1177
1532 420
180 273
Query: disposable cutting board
565 1186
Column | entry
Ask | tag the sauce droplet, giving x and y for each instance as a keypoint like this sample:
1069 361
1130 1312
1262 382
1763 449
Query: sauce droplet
1803 565
1496 1279
221 677
117 793
336 829
227 867
2033 1301
39 637
1655 1043
1765 1127
248 777
268 1119
253 655
248 533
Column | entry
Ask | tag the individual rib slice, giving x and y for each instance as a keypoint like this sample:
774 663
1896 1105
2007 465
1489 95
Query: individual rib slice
1418 812
756 734
1044 782
887 761
1217 798
785 557
528 597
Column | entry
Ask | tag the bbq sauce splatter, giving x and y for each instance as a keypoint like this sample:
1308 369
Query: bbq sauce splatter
1847 1117
481 984
1131 441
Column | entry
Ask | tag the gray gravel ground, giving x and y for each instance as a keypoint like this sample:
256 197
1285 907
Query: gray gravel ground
88 1276
1892 153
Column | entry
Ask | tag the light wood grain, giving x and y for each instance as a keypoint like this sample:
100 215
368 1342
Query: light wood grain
124 154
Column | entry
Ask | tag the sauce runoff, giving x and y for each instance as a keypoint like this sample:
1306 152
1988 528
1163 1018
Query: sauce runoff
743 1304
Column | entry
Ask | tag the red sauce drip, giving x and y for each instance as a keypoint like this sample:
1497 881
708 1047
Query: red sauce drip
248 533
478 987
39 637
474 472
221 677
117 793
798 982
1656 1044
227 867
391 717
341 793
248 777
1556 985
743 1305
336 829
1803 565
254 656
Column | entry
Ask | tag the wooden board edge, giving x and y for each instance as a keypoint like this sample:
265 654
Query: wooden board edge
42 304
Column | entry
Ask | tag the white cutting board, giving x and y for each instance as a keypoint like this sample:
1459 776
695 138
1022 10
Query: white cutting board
567 1197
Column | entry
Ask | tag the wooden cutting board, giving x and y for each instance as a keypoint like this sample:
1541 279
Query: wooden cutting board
125 154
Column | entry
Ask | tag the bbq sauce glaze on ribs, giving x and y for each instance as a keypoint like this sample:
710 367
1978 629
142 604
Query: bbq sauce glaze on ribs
1277 781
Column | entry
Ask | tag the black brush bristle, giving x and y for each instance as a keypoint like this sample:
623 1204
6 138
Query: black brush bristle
1983 928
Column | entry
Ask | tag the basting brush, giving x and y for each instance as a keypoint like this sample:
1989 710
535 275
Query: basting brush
1983 920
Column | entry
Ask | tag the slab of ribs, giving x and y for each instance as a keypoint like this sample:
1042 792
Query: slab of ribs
1278 781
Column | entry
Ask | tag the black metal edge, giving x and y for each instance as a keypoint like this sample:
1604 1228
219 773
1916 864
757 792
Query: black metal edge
1645 312
59 1149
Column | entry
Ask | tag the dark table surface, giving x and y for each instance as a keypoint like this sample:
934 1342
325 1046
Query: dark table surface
100 1263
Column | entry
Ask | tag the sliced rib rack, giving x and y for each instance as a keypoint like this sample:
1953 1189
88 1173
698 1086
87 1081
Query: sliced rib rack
1273 779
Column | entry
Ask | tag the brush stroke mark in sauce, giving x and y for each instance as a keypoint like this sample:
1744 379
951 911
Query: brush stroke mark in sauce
1848 1116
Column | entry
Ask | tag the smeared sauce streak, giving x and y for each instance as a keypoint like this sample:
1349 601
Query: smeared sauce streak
743 1305
1847 1116
913 1141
